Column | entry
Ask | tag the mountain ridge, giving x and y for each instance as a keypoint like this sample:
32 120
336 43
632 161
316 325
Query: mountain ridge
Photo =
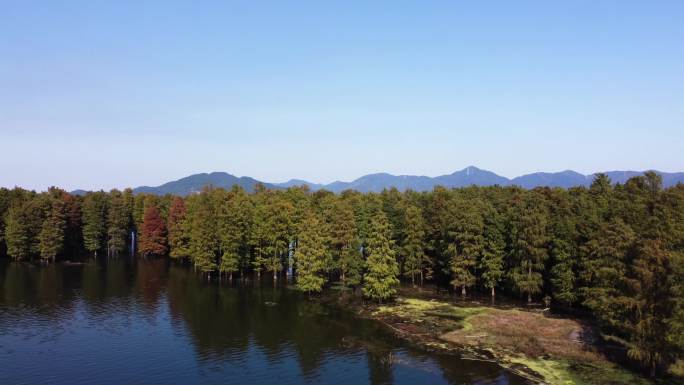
376 182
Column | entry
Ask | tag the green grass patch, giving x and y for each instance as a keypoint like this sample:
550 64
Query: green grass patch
440 315
563 372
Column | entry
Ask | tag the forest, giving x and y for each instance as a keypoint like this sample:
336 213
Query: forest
615 252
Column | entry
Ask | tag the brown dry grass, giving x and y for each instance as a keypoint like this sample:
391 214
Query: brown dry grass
530 343
530 333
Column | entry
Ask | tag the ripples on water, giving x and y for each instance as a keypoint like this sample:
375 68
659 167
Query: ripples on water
152 322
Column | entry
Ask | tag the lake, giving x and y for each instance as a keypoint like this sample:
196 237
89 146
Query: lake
127 321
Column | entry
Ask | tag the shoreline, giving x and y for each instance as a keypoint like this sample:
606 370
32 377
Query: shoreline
527 343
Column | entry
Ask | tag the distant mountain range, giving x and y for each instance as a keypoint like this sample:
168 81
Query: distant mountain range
377 182
195 183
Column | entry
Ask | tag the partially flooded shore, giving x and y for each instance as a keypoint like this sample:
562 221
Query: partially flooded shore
532 343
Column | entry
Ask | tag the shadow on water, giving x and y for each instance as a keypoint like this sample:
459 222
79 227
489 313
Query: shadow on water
157 322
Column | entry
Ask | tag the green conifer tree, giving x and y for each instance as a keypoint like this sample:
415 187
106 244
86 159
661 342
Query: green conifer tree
177 229
204 242
17 232
415 261
466 244
52 232
311 255
94 221
382 271
117 223
492 262
529 248
346 250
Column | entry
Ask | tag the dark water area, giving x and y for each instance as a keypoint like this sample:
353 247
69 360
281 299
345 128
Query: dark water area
126 321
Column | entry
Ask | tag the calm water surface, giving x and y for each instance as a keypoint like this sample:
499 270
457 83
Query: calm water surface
153 322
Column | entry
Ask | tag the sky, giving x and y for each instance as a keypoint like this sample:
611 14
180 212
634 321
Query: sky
103 94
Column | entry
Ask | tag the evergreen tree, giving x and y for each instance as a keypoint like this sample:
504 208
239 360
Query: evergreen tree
562 274
94 221
415 260
650 305
17 233
232 224
204 242
345 244
675 328
259 237
604 269
279 227
23 223
73 236
529 247
5 198
52 232
466 244
230 262
138 211
382 271
439 223
311 255
177 234
117 223
493 251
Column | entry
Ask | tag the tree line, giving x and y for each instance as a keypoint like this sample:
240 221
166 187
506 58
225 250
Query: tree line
614 250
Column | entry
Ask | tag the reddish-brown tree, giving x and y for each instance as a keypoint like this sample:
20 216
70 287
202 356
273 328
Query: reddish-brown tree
153 233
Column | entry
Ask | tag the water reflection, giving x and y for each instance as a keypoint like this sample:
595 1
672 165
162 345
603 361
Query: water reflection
157 322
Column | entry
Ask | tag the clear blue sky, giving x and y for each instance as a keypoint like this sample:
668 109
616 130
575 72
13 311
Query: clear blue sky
98 94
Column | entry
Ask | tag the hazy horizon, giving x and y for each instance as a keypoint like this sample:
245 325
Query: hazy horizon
334 91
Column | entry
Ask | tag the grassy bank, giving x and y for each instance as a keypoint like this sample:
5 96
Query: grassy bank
531 343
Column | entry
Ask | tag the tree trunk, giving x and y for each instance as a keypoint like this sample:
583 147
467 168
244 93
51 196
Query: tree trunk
529 279
421 277
493 292
343 279
230 277
463 291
